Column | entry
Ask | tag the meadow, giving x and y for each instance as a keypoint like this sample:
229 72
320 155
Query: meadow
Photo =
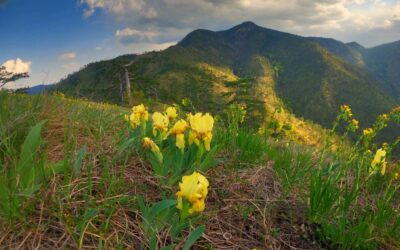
85 175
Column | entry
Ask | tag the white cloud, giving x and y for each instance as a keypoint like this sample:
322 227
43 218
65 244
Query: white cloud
359 2
130 35
67 56
151 13
114 6
144 47
17 66
342 19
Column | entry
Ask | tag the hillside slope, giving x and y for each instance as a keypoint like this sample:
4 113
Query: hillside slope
98 186
307 75
383 62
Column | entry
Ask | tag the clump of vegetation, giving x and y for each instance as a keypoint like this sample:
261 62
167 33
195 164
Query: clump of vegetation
177 149
79 174
243 147
353 194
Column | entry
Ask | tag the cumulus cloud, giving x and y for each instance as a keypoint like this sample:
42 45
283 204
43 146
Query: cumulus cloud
113 6
67 56
17 66
153 35
342 19
129 35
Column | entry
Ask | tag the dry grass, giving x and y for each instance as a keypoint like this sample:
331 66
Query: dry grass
245 208
244 211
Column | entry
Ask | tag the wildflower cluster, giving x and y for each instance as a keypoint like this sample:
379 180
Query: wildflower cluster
357 172
139 114
346 109
345 112
354 125
178 148
368 132
197 128
167 133
346 115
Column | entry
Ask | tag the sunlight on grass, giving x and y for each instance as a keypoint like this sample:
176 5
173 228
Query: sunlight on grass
78 174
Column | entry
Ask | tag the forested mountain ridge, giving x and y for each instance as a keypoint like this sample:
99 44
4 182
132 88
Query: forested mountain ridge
256 66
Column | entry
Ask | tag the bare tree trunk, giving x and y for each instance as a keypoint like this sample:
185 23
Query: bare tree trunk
121 89
128 86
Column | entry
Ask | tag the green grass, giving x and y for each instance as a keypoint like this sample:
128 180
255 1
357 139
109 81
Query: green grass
292 164
67 180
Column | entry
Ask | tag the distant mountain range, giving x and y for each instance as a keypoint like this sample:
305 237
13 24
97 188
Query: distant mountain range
37 89
259 67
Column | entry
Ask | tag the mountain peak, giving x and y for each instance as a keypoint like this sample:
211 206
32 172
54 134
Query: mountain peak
196 37
355 45
246 25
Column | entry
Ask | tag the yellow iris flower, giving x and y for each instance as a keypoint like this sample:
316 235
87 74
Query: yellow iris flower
194 189
160 122
379 160
354 123
367 131
178 130
139 114
346 110
171 113
149 143
202 126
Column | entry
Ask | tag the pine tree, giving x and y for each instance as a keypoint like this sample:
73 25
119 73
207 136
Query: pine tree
6 76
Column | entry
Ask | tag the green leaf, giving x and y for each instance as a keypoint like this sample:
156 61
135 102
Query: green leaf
155 163
100 245
79 159
4 196
168 162
209 160
177 228
90 213
189 156
193 237
54 167
25 166
142 206
153 242
170 247
127 144
162 205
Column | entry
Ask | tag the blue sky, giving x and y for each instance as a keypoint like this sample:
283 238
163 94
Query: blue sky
40 32
56 37
45 32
